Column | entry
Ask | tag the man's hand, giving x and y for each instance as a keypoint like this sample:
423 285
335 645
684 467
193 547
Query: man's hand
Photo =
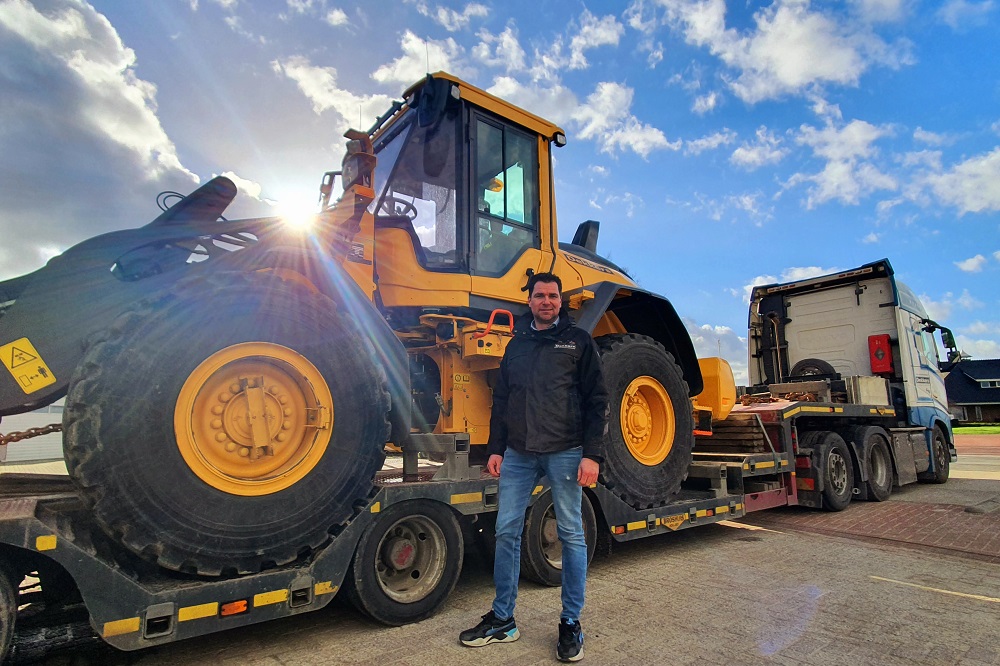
587 475
493 465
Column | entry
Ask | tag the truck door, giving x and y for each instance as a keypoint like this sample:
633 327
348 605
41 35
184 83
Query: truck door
924 386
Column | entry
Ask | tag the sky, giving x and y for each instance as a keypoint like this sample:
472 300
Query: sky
720 144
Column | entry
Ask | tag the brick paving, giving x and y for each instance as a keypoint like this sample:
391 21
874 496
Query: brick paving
942 527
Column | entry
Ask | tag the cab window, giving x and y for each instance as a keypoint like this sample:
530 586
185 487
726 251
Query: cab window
506 196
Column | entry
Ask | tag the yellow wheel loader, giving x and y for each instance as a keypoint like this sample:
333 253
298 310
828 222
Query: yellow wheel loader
231 385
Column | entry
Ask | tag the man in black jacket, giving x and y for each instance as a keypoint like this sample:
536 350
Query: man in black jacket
549 419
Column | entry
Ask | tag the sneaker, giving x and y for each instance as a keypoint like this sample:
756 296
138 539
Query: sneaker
570 646
491 630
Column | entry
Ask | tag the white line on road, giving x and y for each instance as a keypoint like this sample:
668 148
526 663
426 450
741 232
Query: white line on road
978 597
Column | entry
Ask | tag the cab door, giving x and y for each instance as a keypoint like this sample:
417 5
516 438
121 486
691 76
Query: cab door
504 197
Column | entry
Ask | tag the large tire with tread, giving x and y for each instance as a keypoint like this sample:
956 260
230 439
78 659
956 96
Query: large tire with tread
407 562
8 610
942 459
541 550
650 429
878 462
230 424
836 467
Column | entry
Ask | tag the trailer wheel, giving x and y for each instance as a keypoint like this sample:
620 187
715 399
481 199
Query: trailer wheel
838 471
651 430
541 550
406 563
942 459
8 611
233 423
879 462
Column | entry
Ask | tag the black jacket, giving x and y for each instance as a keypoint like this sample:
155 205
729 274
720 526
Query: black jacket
550 393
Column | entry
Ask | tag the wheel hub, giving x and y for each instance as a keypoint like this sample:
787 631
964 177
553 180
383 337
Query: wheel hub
253 418
647 420
400 553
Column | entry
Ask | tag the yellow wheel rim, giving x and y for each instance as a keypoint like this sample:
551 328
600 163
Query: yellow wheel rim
647 420
253 419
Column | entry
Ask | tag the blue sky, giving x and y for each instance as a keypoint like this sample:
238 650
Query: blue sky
720 144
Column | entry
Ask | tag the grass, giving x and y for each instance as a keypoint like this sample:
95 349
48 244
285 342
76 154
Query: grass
978 430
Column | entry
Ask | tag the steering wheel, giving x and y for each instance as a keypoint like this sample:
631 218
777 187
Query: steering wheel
398 207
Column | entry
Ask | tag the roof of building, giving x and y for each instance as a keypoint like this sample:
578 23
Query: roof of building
962 383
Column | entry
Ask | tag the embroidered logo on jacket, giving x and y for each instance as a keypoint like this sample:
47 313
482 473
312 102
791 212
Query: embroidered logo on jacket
564 345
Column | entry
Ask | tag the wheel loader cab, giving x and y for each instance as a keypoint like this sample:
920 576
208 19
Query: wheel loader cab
457 209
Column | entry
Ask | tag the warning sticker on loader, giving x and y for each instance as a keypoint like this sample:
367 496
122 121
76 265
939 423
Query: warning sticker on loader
26 366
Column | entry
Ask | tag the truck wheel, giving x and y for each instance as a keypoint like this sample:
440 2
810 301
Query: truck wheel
942 459
879 463
651 430
406 563
811 366
838 471
231 424
541 550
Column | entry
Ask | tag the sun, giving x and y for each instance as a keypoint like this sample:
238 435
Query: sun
297 214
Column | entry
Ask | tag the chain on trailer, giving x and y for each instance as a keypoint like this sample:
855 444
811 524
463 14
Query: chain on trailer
19 435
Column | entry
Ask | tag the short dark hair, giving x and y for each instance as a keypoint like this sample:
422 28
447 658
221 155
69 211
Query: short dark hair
543 277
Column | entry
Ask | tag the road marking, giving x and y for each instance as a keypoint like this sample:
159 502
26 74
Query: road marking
746 526
974 474
978 597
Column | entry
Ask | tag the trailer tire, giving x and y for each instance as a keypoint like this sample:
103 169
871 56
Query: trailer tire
8 610
942 459
406 563
837 470
651 428
161 424
541 550
878 462
812 366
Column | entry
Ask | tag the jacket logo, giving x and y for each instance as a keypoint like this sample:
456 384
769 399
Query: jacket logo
564 345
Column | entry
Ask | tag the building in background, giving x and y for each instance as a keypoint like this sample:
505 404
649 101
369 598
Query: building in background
974 391
36 449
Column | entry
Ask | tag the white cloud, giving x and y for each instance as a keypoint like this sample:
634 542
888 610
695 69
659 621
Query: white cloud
847 176
968 302
764 150
871 238
705 103
980 349
880 10
791 48
996 255
972 186
606 119
503 50
419 57
938 310
319 85
931 138
452 20
336 17
300 6
594 32
973 264
960 14
722 138
82 121
982 328
248 187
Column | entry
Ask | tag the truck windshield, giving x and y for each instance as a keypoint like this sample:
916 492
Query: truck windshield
415 185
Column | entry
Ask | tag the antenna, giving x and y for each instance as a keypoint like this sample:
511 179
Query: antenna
427 57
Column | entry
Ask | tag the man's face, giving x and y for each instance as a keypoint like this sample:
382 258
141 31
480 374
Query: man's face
544 303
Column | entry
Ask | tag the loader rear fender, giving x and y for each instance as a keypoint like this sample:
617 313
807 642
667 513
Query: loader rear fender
645 313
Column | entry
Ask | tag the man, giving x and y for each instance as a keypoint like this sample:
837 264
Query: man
549 419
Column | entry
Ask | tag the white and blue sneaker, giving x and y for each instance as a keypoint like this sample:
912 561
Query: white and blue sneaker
570 645
491 630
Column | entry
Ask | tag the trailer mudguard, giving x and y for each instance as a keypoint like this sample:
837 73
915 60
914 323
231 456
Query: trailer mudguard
646 313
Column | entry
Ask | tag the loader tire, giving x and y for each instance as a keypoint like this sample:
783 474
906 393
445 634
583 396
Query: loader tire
650 429
229 425
8 609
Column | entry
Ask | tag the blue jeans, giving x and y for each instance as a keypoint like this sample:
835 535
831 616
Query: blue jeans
519 475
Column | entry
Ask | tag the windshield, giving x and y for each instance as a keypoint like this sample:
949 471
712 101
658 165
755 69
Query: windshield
415 185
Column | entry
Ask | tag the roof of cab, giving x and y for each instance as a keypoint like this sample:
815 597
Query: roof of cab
493 103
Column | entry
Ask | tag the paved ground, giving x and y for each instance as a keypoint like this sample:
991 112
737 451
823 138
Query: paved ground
875 584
